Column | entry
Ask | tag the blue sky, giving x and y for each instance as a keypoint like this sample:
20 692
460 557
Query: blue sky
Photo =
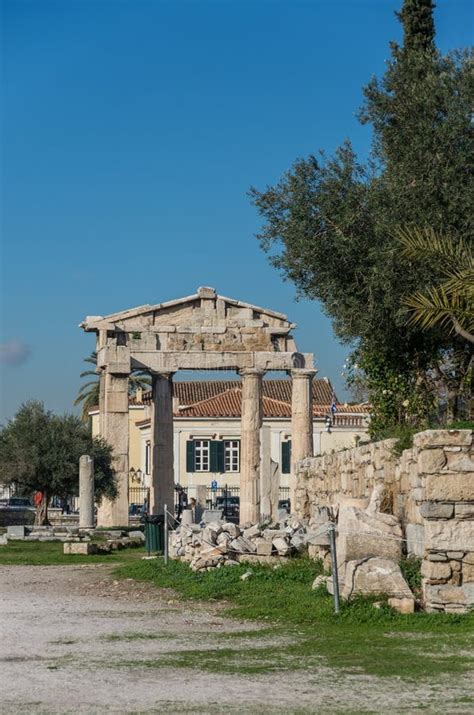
131 133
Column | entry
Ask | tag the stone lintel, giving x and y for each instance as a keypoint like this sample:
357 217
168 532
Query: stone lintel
170 361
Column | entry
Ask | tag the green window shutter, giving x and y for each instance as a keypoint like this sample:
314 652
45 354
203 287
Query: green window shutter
190 455
216 451
286 457
220 457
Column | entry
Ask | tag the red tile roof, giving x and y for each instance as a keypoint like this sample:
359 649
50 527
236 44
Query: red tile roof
229 404
188 393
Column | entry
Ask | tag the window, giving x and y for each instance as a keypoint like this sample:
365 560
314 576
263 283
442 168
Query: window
148 458
286 457
201 455
232 455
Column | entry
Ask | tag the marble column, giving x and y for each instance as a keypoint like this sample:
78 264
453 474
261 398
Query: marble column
162 486
301 422
250 445
113 408
86 492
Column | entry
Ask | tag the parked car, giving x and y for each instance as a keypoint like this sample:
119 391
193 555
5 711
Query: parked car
136 509
19 503
285 504
230 507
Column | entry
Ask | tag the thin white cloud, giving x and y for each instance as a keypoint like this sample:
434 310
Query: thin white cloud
14 352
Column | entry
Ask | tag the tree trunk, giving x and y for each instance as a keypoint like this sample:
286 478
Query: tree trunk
41 516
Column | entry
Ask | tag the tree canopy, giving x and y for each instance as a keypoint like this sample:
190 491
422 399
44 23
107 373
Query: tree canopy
330 222
40 451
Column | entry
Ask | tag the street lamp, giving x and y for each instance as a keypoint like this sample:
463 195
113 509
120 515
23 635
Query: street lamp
328 422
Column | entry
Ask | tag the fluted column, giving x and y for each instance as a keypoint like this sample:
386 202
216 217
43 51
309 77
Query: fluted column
301 422
251 422
162 487
113 420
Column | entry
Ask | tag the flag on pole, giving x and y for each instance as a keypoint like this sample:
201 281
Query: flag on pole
333 403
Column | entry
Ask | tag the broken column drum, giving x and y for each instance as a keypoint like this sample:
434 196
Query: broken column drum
203 331
86 492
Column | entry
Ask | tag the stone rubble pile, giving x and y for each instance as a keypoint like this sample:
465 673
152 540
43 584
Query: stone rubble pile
226 544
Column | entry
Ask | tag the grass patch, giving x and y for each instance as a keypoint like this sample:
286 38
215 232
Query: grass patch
361 639
50 553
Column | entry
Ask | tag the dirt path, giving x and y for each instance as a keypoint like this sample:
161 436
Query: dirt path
72 641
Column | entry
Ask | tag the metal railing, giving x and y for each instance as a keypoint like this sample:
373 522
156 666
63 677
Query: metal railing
219 496
138 500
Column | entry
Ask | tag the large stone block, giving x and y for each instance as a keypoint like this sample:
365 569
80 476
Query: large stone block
468 568
264 547
442 438
361 535
440 594
455 486
452 535
431 461
80 548
464 511
17 531
436 510
460 463
374 576
433 570
402 605
415 536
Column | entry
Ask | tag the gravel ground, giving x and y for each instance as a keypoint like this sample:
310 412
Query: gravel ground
68 645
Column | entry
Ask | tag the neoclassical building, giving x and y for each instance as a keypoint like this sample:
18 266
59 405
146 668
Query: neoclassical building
207 434
242 430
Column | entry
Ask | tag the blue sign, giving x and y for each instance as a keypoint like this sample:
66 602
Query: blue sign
214 485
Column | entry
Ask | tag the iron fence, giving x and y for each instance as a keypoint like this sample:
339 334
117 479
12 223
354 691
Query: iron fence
230 494
138 500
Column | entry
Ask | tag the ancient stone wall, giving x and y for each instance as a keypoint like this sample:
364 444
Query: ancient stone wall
430 488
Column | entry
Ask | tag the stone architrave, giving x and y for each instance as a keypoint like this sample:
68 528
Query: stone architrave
301 422
250 445
86 492
162 487
113 407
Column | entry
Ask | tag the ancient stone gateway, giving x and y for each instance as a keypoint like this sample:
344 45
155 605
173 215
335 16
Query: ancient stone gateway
204 331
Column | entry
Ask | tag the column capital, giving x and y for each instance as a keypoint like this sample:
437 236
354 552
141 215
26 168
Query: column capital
166 374
307 373
248 371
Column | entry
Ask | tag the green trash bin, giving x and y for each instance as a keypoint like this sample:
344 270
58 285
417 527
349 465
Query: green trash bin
154 534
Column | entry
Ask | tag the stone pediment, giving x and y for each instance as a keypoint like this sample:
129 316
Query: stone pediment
204 321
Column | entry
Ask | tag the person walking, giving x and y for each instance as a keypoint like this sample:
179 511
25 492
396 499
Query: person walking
182 501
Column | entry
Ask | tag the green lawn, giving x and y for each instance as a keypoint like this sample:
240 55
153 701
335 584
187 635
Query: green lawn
360 639
50 553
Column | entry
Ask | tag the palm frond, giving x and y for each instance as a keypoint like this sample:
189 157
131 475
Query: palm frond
437 307
427 243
